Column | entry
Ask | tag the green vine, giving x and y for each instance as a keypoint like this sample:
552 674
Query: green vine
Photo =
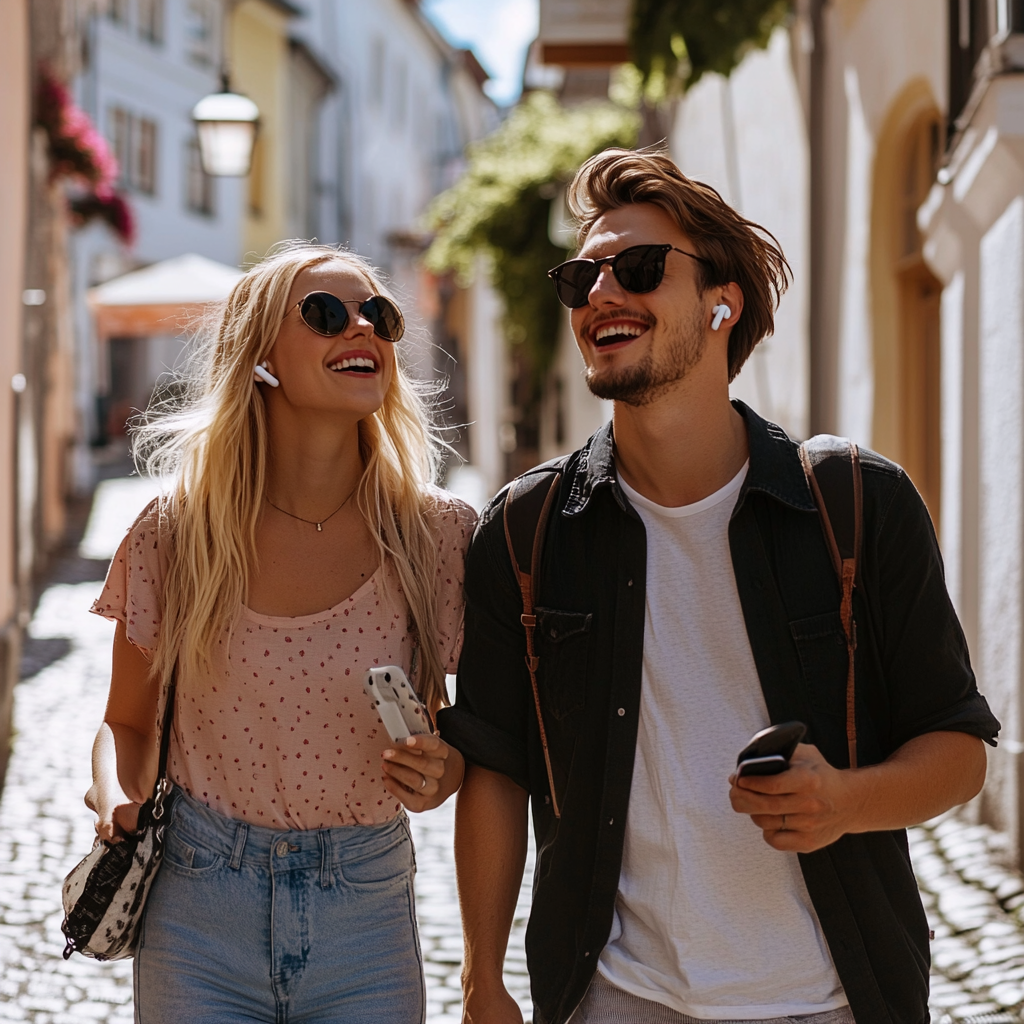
678 41
501 205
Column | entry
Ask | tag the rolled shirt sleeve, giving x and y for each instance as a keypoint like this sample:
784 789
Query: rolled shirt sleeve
489 721
924 653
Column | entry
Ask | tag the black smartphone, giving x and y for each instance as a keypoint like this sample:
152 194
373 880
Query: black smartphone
768 753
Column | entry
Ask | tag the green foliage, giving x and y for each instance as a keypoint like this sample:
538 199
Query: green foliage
500 209
677 41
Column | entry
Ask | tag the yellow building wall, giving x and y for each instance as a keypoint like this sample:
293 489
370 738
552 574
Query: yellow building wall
259 67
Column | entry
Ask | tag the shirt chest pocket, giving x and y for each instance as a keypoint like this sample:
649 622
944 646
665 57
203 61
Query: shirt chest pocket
821 645
563 646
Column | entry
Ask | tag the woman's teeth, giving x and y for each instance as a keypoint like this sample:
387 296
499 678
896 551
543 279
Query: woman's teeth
618 330
358 363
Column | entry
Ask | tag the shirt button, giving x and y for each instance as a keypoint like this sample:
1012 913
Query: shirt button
622 711
630 583
282 848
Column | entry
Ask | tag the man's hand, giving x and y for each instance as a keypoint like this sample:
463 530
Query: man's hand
490 851
802 809
812 804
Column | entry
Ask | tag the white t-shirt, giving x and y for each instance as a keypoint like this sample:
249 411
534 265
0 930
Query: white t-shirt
709 919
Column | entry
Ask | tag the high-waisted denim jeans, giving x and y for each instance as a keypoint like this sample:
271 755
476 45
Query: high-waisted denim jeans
253 924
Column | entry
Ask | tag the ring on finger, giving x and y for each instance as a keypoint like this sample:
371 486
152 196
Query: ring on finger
784 829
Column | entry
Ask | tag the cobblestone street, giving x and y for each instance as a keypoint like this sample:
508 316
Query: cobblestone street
976 905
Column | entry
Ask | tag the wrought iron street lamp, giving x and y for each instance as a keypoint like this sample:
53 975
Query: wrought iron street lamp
227 124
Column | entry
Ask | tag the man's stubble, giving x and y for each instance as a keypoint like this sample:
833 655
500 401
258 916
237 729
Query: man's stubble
648 379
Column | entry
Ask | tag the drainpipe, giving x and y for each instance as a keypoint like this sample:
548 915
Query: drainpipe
822 359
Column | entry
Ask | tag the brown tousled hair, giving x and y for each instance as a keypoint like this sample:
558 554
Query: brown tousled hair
736 249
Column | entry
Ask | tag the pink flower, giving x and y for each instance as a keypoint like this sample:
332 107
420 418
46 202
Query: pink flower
77 149
80 154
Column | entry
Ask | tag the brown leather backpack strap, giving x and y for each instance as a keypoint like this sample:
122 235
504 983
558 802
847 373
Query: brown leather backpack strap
527 581
819 457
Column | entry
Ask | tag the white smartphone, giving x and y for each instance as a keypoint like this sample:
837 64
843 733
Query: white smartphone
394 699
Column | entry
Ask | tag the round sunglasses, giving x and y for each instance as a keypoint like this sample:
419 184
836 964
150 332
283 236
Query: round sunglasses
328 315
639 269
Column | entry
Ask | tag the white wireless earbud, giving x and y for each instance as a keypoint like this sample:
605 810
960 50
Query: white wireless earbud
264 374
721 313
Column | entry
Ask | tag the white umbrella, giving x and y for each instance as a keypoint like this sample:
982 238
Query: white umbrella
160 298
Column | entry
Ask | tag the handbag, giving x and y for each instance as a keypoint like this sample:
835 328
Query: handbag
105 894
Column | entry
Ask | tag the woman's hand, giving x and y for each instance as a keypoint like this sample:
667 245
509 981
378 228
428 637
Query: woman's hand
114 818
422 772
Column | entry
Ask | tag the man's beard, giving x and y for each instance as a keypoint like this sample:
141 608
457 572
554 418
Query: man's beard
647 380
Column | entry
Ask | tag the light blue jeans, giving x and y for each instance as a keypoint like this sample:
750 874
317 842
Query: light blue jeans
253 924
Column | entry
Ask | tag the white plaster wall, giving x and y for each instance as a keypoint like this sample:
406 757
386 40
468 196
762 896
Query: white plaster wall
1002 492
487 383
745 137
952 431
856 392
892 44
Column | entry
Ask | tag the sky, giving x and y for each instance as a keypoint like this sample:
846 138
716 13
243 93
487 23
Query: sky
498 31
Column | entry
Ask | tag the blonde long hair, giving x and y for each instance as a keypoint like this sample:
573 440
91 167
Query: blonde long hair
213 443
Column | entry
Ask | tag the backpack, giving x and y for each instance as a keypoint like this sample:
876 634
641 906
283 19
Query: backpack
832 467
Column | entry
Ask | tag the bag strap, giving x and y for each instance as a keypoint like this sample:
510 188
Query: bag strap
833 471
527 508
162 787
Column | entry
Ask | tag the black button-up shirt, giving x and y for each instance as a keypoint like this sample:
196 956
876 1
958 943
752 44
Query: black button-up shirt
913 677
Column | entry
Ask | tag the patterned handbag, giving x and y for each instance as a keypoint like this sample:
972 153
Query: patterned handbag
105 894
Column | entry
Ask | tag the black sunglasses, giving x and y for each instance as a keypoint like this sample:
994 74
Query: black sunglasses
640 268
328 315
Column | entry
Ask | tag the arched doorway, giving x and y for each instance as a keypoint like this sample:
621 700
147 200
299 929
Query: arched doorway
906 295
919 293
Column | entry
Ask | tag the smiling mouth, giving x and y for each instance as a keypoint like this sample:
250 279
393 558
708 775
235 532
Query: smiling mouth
357 365
617 334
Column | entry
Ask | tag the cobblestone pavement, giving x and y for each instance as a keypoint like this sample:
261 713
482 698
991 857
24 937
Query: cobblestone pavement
975 903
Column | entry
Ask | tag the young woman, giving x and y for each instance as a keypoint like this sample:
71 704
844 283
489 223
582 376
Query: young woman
302 542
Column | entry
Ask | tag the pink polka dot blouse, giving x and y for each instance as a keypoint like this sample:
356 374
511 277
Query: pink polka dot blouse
280 731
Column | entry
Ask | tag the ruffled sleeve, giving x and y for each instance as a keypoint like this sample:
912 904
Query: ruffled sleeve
455 521
133 588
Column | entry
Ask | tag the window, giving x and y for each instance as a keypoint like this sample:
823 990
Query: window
198 184
970 28
119 11
201 33
151 21
134 142
119 126
144 170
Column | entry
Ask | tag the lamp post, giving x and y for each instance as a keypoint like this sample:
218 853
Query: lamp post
227 124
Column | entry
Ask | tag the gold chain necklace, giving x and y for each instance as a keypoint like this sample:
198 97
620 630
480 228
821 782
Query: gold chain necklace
313 522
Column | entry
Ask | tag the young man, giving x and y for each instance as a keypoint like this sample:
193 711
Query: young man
687 600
